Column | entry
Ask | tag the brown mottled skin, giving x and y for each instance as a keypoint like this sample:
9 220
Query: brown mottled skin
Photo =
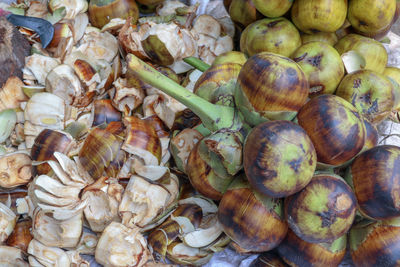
264 152
99 149
328 119
141 134
104 112
300 253
272 85
376 180
46 143
250 224
268 259
198 170
331 219
380 248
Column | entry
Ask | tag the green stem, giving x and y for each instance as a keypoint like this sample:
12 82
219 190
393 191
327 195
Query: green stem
197 63
214 117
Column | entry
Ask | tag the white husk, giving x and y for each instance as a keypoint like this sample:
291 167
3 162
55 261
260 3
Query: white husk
121 246
11 257
7 222
72 7
47 256
40 66
15 169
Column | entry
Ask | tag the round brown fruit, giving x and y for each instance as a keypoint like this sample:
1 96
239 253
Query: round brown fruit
279 158
323 211
255 222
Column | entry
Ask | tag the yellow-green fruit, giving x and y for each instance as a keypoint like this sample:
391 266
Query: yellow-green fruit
370 17
273 8
243 12
327 37
374 52
230 57
319 15
270 87
370 92
323 66
277 35
394 74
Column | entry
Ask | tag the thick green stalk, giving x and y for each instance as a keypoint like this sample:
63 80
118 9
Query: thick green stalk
214 117
197 63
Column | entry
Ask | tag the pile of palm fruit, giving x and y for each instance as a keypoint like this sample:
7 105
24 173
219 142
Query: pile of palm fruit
138 136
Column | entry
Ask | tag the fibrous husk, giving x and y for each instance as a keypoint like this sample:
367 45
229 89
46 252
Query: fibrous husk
59 194
12 257
121 246
62 81
57 233
41 255
103 199
38 66
11 95
142 202
130 37
43 110
87 243
72 7
98 45
7 222
15 169
125 97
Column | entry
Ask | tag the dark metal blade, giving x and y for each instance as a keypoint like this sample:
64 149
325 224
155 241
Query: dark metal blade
41 26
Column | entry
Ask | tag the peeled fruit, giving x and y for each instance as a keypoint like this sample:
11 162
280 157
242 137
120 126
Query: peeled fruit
273 8
255 222
102 11
270 87
319 15
375 243
323 66
277 35
370 17
374 176
374 52
279 158
323 211
370 92
297 252
327 119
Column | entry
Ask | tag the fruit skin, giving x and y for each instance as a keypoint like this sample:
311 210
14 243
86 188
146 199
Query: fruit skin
268 259
327 119
243 12
279 158
370 17
375 178
394 74
102 11
370 92
323 66
323 211
319 15
371 135
253 221
375 243
273 8
297 252
328 37
277 35
373 51
270 87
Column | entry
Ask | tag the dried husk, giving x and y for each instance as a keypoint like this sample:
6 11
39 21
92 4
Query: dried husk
15 169
142 202
126 97
11 95
56 233
72 7
41 255
98 45
12 257
21 235
7 222
87 243
121 246
43 110
103 199
38 66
